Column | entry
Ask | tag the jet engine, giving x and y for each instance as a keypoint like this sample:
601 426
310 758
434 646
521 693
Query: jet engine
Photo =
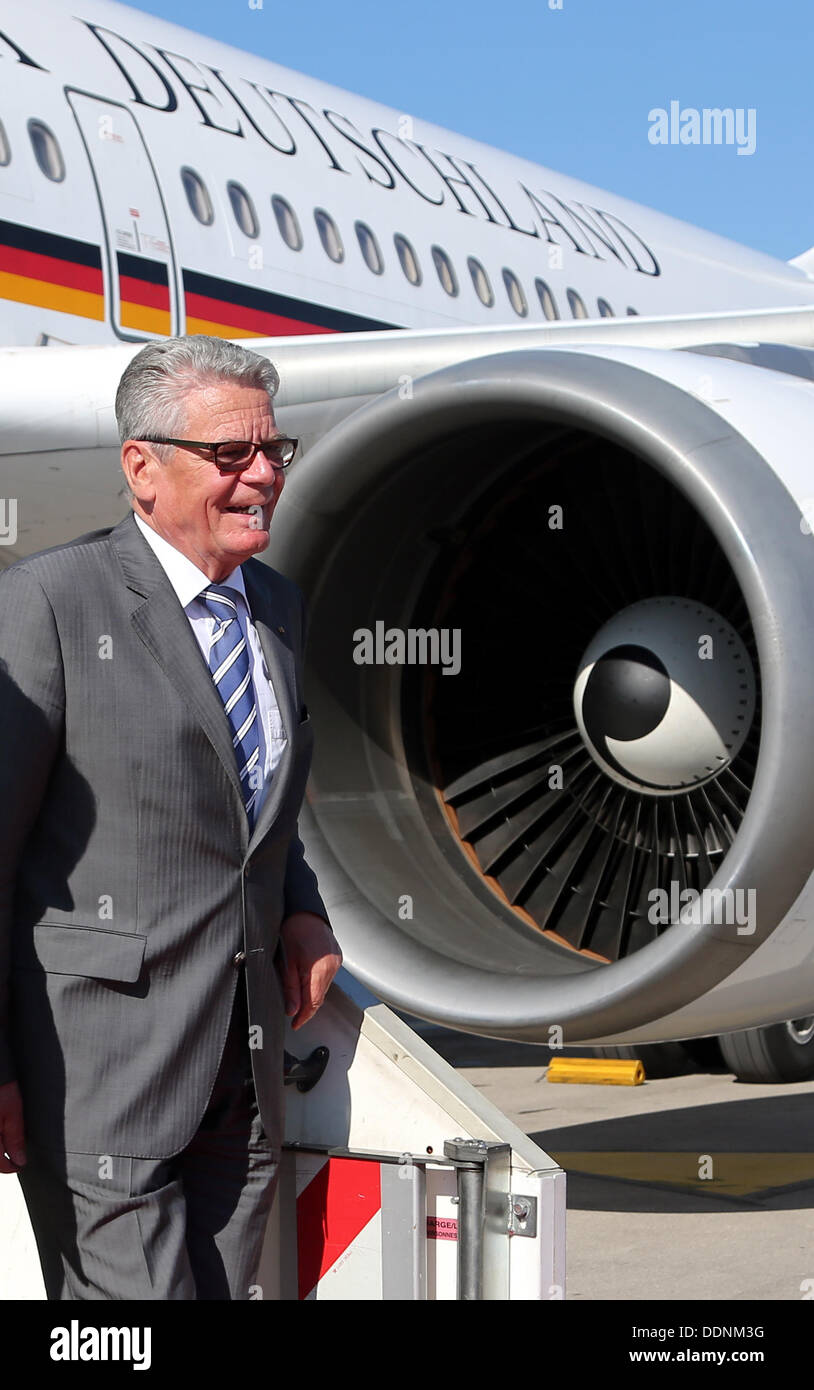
560 668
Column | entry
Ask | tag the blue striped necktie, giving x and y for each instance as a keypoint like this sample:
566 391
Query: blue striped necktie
231 672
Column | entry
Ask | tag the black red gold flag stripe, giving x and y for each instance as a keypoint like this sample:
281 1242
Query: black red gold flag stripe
224 309
61 273
53 272
144 294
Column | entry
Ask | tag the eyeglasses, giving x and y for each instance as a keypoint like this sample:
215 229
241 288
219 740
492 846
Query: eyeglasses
233 455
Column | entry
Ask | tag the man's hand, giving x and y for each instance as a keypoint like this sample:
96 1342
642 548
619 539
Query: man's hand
12 1141
310 959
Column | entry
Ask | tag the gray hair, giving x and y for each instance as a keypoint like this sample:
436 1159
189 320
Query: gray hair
152 392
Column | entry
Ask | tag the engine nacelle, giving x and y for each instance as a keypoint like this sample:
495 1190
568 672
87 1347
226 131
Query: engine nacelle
507 844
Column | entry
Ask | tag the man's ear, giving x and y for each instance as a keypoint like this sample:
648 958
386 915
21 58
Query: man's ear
139 465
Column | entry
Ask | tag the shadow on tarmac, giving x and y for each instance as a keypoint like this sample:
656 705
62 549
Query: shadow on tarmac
749 1152
744 1152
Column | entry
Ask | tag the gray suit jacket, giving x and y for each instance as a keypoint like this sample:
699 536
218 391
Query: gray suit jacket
129 881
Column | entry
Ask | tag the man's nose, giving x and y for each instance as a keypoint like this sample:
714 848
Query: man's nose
261 471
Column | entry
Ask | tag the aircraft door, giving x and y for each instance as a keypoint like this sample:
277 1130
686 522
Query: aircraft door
141 271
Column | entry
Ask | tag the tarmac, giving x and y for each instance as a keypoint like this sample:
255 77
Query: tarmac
695 1187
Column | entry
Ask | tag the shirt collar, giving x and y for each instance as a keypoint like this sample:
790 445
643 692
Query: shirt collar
185 577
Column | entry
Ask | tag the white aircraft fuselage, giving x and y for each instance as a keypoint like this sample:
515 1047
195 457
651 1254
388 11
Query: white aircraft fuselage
155 181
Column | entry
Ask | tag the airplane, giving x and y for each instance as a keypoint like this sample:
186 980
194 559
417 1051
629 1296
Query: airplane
552 514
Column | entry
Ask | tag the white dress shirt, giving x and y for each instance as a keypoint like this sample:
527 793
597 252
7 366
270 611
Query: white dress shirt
188 581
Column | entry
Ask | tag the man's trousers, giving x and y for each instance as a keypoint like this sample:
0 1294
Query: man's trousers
186 1227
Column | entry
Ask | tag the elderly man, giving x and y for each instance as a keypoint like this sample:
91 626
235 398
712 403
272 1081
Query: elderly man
157 916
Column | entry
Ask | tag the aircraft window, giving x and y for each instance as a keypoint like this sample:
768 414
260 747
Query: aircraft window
287 222
197 196
329 235
446 274
576 305
605 309
369 247
481 282
407 259
5 147
46 151
514 290
548 303
243 209
632 313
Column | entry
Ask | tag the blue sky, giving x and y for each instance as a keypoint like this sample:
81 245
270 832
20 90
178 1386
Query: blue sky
571 88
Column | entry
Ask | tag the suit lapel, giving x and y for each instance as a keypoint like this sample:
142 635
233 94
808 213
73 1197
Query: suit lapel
164 628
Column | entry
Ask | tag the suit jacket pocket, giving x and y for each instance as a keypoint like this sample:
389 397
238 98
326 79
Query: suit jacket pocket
65 949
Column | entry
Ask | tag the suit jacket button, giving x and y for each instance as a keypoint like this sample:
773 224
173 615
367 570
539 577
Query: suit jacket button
239 958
